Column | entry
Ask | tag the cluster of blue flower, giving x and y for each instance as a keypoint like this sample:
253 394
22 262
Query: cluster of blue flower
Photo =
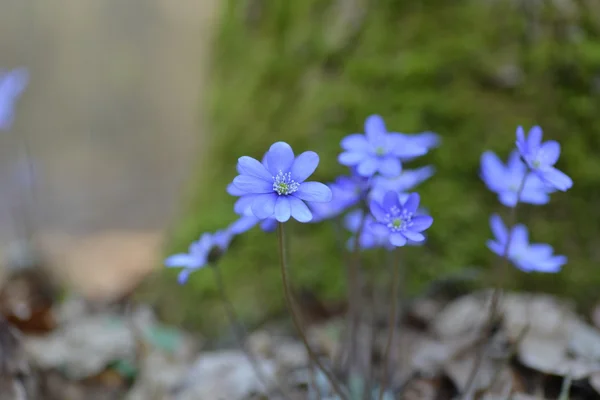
529 177
275 189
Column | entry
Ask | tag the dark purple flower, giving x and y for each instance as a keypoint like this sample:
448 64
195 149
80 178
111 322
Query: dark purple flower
506 180
198 254
377 150
277 188
399 219
527 257
541 157
12 85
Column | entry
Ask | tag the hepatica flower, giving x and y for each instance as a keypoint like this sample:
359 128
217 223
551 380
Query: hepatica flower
404 182
377 150
277 187
541 157
399 219
506 180
200 254
12 85
525 256
368 238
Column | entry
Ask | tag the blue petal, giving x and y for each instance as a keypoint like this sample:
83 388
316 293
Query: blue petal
243 205
521 142
556 179
412 202
421 222
374 127
304 165
498 228
268 225
540 250
313 191
397 239
390 166
377 211
253 167
414 236
234 191
352 157
243 224
519 239
252 184
280 158
549 152
353 220
183 276
390 200
282 209
356 141
300 211
405 147
534 196
508 198
263 205
534 139
496 247
180 260
367 166
378 229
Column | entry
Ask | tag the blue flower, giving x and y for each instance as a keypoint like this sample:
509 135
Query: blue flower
506 180
377 150
247 222
200 253
541 157
368 238
404 182
277 188
347 191
399 219
527 257
12 84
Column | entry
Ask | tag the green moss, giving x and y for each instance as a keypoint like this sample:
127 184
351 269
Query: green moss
297 71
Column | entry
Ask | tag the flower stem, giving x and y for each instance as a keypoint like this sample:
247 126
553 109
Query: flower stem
295 317
496 294
391 322
240 332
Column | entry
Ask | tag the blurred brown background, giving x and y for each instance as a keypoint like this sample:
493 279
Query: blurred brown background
111 118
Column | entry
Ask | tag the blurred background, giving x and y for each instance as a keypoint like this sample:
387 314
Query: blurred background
112 121
137 111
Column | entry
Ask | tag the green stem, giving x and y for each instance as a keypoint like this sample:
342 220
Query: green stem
496 294
391 322
295 318
240 332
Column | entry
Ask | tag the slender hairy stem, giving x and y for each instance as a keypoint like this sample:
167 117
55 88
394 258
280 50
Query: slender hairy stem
496 294
355 300
295 317
391 324
240 332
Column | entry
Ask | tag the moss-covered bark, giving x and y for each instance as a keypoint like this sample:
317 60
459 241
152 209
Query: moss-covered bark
309 72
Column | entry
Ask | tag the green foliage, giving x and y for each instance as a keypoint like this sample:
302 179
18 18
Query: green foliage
308 72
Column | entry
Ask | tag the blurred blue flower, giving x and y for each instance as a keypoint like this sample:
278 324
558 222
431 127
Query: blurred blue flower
199 253
527 257
541 157
247 222
347 191
506 180
12 85
368 238
377 150
277 188
404 182
399 219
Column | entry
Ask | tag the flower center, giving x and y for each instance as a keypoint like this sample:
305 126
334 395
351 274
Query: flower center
380 151
398 220
283 184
